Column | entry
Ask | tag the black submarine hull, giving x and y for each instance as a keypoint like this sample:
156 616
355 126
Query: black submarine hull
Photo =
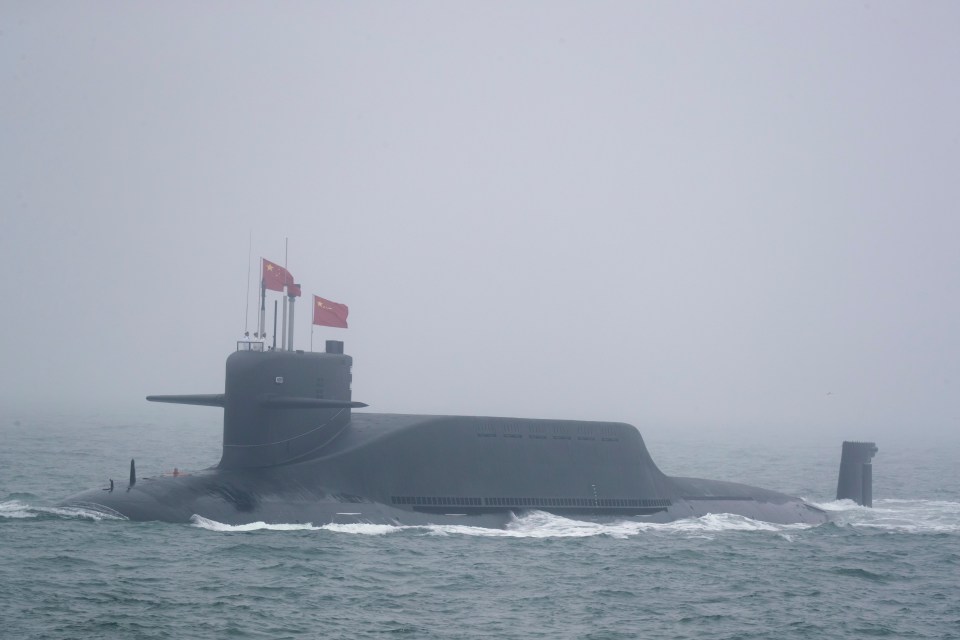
295 451
480 471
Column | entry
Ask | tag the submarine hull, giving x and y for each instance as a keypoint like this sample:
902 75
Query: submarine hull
295 451
479 471
138 505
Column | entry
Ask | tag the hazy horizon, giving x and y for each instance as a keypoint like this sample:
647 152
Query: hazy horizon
700 216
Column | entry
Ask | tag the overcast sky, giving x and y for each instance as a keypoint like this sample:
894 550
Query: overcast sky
701 216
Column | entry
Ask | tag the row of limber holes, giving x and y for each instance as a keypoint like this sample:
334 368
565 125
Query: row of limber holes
532 502
539 437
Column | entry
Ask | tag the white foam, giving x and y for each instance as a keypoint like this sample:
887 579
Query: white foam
534 524
357 528
538 524
364 529
907 516
836 505
912 516
213 525
719 522
17 509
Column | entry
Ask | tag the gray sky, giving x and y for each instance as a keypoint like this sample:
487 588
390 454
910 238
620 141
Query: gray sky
706 216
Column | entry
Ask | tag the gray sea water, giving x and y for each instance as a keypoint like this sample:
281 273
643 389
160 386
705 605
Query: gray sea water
891 571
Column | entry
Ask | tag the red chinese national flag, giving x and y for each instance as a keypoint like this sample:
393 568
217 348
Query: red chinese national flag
293 290
275 276
329 314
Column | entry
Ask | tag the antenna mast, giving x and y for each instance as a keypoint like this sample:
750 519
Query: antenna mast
286 292
263 304
246 314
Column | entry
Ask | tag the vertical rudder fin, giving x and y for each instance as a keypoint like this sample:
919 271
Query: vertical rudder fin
855 481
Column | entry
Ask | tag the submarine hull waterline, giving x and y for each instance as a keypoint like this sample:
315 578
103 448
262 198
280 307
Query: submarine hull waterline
294 451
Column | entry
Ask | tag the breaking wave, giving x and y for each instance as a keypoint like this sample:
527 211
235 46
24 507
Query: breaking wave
893 515
535 524
906 516
15 509
538 524
362 528
213 525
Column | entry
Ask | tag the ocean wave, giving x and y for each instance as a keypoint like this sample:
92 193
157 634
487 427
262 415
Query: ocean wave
539 524
907 516
213 525
17 509
897 515
357 528
364 528
894 515
836 505
533 524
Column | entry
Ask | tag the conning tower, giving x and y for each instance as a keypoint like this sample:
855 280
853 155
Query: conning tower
279 406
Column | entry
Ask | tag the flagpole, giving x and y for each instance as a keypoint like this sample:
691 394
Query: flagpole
283 324
285 294
246 314
290 334
274 325
263 308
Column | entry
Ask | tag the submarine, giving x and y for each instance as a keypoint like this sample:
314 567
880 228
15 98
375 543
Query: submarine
295 451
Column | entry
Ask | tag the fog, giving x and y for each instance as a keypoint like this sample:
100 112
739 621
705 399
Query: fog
698 217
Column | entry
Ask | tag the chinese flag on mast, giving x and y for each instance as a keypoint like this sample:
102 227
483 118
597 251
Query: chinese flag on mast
329 314
275 276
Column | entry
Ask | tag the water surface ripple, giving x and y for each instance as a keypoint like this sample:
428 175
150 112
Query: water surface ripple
886 572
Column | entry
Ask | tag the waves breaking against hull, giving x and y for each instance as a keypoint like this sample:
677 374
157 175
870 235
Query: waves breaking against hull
16 509
895 516
889 515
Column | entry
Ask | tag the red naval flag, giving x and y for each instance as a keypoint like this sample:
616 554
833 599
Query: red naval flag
275 276
329 314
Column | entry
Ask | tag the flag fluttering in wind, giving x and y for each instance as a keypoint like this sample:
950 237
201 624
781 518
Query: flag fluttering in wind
329 314
275 276
293 290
